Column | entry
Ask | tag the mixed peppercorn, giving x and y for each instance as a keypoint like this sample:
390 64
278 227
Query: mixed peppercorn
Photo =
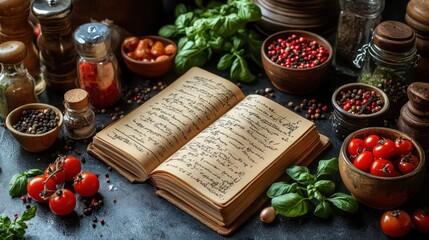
360 101
36 121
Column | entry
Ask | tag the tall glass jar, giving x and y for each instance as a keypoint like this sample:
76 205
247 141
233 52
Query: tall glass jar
357 21
388 62
97 67
16 84
79 119
57 51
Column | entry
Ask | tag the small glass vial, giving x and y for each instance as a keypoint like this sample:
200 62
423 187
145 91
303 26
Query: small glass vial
79 119
97 67
16 84
357 21
388 62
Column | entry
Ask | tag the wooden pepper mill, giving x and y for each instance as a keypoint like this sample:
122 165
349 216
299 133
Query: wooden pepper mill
414 118
15 26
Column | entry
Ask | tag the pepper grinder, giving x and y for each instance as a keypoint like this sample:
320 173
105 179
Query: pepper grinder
414 117
14 25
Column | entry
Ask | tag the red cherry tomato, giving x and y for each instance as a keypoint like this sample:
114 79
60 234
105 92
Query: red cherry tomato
421 220
62 202
36 186
403 146
382 168
86 184
408 163
71 167
355 146
371 141
363 161
385 148
395 223
59 176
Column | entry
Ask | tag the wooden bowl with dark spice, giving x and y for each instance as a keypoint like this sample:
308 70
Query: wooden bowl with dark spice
296 61
35 126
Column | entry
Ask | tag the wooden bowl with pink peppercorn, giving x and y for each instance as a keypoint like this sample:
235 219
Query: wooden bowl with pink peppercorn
296 61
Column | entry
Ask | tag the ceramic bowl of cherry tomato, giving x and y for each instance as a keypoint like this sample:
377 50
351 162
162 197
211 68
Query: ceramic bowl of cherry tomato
296 61
148 56
356 106
382 167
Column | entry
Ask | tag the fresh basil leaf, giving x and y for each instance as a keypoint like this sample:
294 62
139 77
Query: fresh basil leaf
254 44
323 210
327 167
249 12
326 187
199 3
190 56
168 31
237 42
184 20
225 62
180 9
231 24
280 188
216 43
344 202
182 42
29 213
301 175
18 185
240 71
33 172
290 205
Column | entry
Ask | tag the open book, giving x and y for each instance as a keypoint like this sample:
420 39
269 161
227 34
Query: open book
207 148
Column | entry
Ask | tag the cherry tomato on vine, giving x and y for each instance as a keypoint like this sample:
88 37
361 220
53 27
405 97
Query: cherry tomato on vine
86 184
355 146
62 202
395 223
59 176
421 220
36 186
385 148
71 167
408 163
363 161
403 146
382 168
371 141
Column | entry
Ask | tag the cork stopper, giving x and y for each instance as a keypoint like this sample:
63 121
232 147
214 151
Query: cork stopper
76 99
394 36
12 52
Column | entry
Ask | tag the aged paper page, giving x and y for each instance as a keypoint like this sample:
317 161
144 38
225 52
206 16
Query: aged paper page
159 127
231 152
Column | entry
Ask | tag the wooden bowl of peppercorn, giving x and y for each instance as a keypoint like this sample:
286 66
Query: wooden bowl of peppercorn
356 106
35 126
296 61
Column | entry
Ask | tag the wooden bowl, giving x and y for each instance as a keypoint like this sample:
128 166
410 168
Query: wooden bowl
344 123
381 192
34 142
147 68
291 80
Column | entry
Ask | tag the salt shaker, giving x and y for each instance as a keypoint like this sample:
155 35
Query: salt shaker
16 84
97 66
357 21
79 118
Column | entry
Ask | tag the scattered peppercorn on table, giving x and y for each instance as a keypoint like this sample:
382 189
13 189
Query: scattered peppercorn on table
121 210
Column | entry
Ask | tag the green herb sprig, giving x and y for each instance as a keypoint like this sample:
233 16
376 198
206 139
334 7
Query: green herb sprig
18 184
310 192
11 230
221 28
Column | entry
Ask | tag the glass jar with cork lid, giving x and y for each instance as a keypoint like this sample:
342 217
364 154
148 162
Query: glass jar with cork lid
388 61
79 118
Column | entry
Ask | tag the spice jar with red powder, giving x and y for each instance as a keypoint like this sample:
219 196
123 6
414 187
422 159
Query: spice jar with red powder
97 66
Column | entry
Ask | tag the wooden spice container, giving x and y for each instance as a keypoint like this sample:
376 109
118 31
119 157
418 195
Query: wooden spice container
417 17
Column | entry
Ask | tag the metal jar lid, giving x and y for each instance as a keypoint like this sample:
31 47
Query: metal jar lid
12 52
93 40
51 9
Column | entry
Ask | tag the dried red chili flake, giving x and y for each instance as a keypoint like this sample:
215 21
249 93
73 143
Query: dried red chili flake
297 52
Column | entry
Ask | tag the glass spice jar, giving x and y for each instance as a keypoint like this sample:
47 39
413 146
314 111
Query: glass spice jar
388 62
97 66
79 118
16 84
357 21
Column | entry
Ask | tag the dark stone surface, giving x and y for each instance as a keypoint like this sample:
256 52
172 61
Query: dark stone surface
139 214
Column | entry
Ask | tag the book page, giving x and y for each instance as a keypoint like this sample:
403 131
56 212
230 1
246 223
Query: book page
163 124
231 152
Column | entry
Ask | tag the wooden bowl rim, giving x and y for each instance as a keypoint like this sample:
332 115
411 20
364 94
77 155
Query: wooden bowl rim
153 37
9 123
416 145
